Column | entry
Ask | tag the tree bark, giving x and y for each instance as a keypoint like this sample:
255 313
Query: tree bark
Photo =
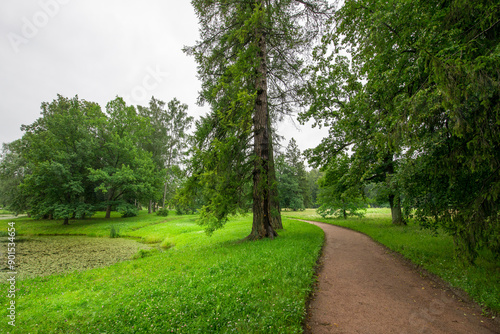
108 211
261 226
66 221
150 206
108 207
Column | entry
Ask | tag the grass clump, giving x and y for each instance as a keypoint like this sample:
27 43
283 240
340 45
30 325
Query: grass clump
142 253
152 239
431 251
128 210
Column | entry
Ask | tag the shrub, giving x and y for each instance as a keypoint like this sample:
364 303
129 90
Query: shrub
142 253
127 210
163 212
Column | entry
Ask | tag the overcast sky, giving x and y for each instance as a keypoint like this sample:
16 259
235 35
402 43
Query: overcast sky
99 50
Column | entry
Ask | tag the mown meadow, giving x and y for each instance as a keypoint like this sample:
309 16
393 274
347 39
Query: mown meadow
432 251
188 282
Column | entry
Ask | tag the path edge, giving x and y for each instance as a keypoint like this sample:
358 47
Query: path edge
458 293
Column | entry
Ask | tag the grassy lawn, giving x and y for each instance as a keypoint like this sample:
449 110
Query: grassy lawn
433 252
195 284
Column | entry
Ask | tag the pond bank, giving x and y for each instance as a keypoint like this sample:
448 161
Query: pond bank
49 255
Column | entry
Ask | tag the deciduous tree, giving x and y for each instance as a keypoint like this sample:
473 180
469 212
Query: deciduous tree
59 149
125 171
427 97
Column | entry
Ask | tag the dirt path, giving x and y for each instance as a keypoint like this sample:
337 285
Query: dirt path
364 288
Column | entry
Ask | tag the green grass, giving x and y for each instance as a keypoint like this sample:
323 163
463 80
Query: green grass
199 284
433 252
96 226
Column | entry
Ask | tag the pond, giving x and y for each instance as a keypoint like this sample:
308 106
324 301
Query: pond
48 255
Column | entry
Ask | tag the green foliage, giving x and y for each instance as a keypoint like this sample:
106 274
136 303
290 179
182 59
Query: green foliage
312 181
127 210
293 187
417 103
248 57
114 232
126 171
377 195
163 212
142 253
167 142
205 285
12 171
57 150
75 159
340 196
290 194
431 250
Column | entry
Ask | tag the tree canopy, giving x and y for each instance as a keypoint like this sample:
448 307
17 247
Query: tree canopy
76 159
417 99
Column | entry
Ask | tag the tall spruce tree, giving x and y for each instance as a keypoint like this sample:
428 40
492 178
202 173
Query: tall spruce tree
249 56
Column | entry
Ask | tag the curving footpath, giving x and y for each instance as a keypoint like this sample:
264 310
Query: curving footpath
364 288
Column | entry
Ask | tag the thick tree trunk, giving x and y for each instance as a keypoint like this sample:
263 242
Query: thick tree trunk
261 227
108 208
397 216
66 221
150 206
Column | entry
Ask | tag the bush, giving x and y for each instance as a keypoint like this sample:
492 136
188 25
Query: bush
115 232
127 210
163 212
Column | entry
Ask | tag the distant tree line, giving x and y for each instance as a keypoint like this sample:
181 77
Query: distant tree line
76 159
